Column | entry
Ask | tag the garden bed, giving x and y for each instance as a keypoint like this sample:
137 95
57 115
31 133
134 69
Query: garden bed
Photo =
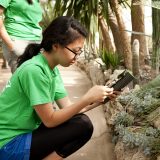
134 118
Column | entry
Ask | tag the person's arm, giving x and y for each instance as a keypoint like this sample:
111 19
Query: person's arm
3 33
90 107
112 97
52 118
64 102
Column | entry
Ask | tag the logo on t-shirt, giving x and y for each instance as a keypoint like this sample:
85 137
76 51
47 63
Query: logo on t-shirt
8 85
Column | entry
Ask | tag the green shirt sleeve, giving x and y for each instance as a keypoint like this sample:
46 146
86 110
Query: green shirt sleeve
5 3
35 85
60 89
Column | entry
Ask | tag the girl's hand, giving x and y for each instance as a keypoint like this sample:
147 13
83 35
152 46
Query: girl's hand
113 96
98 94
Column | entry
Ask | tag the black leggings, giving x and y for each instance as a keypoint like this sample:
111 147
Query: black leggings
64 139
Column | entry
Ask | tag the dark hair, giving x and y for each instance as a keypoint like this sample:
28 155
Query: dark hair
30 1
62 30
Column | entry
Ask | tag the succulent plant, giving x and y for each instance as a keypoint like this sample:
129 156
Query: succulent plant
132 126
123 118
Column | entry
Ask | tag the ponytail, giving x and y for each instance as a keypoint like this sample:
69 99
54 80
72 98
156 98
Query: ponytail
31 50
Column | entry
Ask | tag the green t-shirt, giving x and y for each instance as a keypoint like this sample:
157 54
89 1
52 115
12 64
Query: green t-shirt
22 19
33 83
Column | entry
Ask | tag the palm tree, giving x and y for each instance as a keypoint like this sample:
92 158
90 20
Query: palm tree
105 32
126 47
112 22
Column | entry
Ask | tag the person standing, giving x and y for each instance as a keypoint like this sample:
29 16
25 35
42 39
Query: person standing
19 26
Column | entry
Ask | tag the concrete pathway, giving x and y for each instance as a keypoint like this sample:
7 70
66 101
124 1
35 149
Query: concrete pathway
100 146
77 84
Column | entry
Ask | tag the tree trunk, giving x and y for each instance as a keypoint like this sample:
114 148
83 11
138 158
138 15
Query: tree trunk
156 39
115 32
105 34
126 46
137 16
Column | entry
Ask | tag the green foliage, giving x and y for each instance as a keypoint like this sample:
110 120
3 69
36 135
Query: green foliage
145 138
123 118
110 59
134 127
143 101
48 15
130 138
85 11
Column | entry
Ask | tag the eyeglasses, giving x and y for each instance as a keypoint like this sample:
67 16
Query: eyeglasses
76 54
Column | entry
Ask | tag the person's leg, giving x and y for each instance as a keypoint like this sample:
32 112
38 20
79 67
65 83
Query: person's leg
4 64
19 48
61 141
53 156
10 58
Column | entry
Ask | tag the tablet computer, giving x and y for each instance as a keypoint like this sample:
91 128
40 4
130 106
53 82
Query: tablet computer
123 80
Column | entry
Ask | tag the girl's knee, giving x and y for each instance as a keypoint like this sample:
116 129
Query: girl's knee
85 124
